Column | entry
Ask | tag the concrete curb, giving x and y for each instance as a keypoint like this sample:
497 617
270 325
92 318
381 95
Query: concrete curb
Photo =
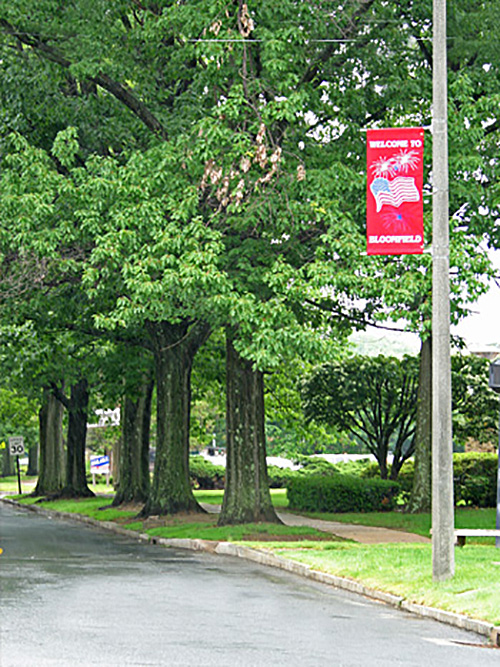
271 560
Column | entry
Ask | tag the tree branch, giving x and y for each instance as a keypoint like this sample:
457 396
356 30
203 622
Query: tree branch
113 87
313 70
60 395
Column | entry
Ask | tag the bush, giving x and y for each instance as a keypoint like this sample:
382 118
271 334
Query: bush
405 480
341 493
205 475
356 467
370 471
317 466
279 478
475 479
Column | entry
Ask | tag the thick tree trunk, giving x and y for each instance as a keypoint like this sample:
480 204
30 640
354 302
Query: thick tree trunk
50 416
421 495
76 478
174 348
134 482
6 461
246 498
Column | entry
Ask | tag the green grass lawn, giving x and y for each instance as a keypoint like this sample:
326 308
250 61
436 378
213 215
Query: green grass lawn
10 485
98 508
206 529
278 496
254 532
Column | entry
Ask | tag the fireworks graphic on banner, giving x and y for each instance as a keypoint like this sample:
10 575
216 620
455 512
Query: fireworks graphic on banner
401 163
394 222
405 161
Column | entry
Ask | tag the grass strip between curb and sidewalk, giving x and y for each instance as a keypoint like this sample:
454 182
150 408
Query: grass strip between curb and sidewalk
398 574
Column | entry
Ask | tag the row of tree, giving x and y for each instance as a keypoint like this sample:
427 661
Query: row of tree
171 170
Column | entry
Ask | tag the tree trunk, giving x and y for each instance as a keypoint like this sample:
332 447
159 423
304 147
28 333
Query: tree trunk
421 495
133 467
174 348
396 467
382 464
50 416
246 497
6 460
76 478
32 461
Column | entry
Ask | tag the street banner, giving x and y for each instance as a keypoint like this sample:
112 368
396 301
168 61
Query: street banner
394 207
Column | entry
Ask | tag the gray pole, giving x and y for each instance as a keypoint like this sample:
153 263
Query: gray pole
497 540
443 564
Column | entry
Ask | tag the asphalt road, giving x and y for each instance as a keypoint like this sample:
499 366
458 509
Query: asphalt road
75 596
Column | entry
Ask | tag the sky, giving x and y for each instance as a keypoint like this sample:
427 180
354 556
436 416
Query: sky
481 329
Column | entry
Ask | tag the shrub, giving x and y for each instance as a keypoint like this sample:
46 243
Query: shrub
356 467
370 471
341 493
475 479
279 478
405 480
317 466
204 474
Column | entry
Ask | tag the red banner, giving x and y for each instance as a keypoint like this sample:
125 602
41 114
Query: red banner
394 208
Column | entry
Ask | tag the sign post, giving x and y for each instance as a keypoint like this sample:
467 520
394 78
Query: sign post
494 384
16 448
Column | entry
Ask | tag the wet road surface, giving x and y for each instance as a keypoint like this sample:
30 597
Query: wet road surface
74 596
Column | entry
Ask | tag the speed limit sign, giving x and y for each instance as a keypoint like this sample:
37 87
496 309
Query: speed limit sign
16 446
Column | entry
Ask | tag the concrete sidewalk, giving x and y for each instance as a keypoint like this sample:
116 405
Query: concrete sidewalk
349 531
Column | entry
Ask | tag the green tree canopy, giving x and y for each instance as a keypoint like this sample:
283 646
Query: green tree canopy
372 398
475 408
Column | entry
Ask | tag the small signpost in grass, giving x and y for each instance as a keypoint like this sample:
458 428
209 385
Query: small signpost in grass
16 448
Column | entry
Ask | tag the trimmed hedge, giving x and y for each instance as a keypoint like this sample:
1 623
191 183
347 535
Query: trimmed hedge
279 478
405 477
317 466
341 493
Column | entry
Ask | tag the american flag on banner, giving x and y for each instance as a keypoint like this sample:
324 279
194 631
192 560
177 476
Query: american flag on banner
394 191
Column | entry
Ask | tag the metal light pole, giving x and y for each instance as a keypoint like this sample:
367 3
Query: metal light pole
443 557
